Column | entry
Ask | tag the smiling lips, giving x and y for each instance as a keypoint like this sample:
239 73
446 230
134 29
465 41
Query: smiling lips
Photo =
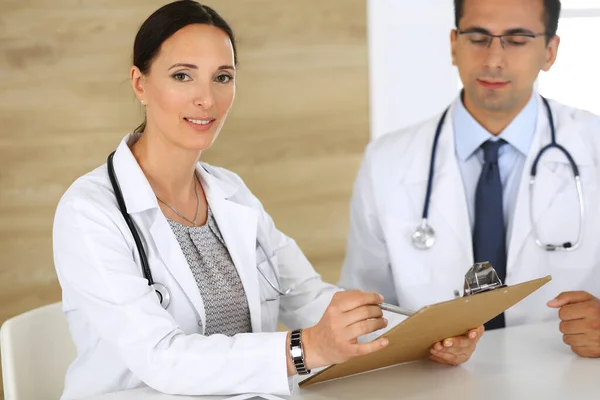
493 85
200 124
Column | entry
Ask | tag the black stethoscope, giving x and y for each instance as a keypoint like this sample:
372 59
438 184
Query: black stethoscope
163 293
424 236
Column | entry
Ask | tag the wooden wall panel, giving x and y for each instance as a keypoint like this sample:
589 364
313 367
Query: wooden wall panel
296 133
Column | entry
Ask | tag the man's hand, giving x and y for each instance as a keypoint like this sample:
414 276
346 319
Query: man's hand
455 351
580 322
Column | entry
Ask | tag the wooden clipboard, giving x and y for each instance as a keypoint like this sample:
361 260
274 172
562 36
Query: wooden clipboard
412 339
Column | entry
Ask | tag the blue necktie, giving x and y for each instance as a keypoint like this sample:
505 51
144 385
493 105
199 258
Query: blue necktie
489 234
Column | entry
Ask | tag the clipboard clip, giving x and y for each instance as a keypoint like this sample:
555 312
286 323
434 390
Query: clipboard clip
481 277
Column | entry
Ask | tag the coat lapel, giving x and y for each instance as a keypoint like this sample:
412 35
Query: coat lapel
175 261
139 198
238 225
549 180
448 212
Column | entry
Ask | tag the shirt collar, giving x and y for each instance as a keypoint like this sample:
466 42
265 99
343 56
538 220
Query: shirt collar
469 135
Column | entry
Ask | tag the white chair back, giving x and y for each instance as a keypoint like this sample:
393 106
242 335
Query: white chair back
36 351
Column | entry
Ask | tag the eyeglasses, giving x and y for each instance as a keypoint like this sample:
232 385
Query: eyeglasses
483 40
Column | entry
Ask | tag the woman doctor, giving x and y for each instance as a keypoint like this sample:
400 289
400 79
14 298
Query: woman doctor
227 274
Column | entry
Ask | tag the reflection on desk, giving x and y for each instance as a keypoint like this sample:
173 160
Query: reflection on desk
524 362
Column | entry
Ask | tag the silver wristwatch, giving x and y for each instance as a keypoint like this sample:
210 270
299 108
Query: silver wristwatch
297 353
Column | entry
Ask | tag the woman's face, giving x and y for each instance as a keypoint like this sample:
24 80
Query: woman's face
189 88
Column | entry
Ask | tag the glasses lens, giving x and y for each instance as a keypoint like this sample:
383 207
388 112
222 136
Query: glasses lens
517 40
478 39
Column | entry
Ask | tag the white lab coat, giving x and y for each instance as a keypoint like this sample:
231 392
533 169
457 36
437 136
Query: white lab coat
125 339
387 205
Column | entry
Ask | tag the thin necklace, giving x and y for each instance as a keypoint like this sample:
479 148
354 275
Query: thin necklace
197 205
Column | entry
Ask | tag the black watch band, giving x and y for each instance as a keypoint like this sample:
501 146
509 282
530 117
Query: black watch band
297 352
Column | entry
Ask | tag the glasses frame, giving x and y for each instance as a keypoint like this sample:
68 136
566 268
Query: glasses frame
501 37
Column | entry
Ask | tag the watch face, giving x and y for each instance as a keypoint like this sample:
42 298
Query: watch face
296 352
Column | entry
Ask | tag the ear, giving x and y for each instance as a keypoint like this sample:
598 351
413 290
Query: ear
551 53
453 36
137 83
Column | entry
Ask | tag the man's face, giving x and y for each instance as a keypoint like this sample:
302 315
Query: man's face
497 78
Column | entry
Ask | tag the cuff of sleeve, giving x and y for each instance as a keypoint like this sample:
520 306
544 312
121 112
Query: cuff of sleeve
283 384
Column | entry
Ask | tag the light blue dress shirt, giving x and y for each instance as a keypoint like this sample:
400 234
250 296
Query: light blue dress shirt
469 135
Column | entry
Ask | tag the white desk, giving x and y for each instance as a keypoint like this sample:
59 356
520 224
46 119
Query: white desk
525 362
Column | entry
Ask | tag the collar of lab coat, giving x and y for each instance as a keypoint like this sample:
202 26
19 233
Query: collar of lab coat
136 189
449 204
568 135
237 223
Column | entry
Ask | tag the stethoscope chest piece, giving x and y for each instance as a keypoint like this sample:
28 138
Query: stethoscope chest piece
424 236
164 296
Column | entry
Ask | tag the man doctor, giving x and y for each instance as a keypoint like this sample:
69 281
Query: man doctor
481 208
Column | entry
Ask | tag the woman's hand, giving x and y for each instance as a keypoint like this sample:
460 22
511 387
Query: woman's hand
334 339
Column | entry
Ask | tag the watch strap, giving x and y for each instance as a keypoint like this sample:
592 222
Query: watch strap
297 352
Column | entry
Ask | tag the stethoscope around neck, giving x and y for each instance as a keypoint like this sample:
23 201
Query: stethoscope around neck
163 293
424 236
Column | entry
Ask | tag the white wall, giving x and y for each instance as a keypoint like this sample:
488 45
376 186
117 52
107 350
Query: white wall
579 4
402 76
409 60
575 77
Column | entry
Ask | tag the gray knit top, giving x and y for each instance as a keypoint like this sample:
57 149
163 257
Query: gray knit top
217 278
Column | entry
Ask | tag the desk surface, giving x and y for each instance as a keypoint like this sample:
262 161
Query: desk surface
524 362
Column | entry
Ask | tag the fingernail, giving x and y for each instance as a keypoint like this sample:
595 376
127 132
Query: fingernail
381 298
473 335
433 351
438 346
385 320
553 302
448 343
384 342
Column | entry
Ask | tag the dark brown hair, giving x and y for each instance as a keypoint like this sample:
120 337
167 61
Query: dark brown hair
551 15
